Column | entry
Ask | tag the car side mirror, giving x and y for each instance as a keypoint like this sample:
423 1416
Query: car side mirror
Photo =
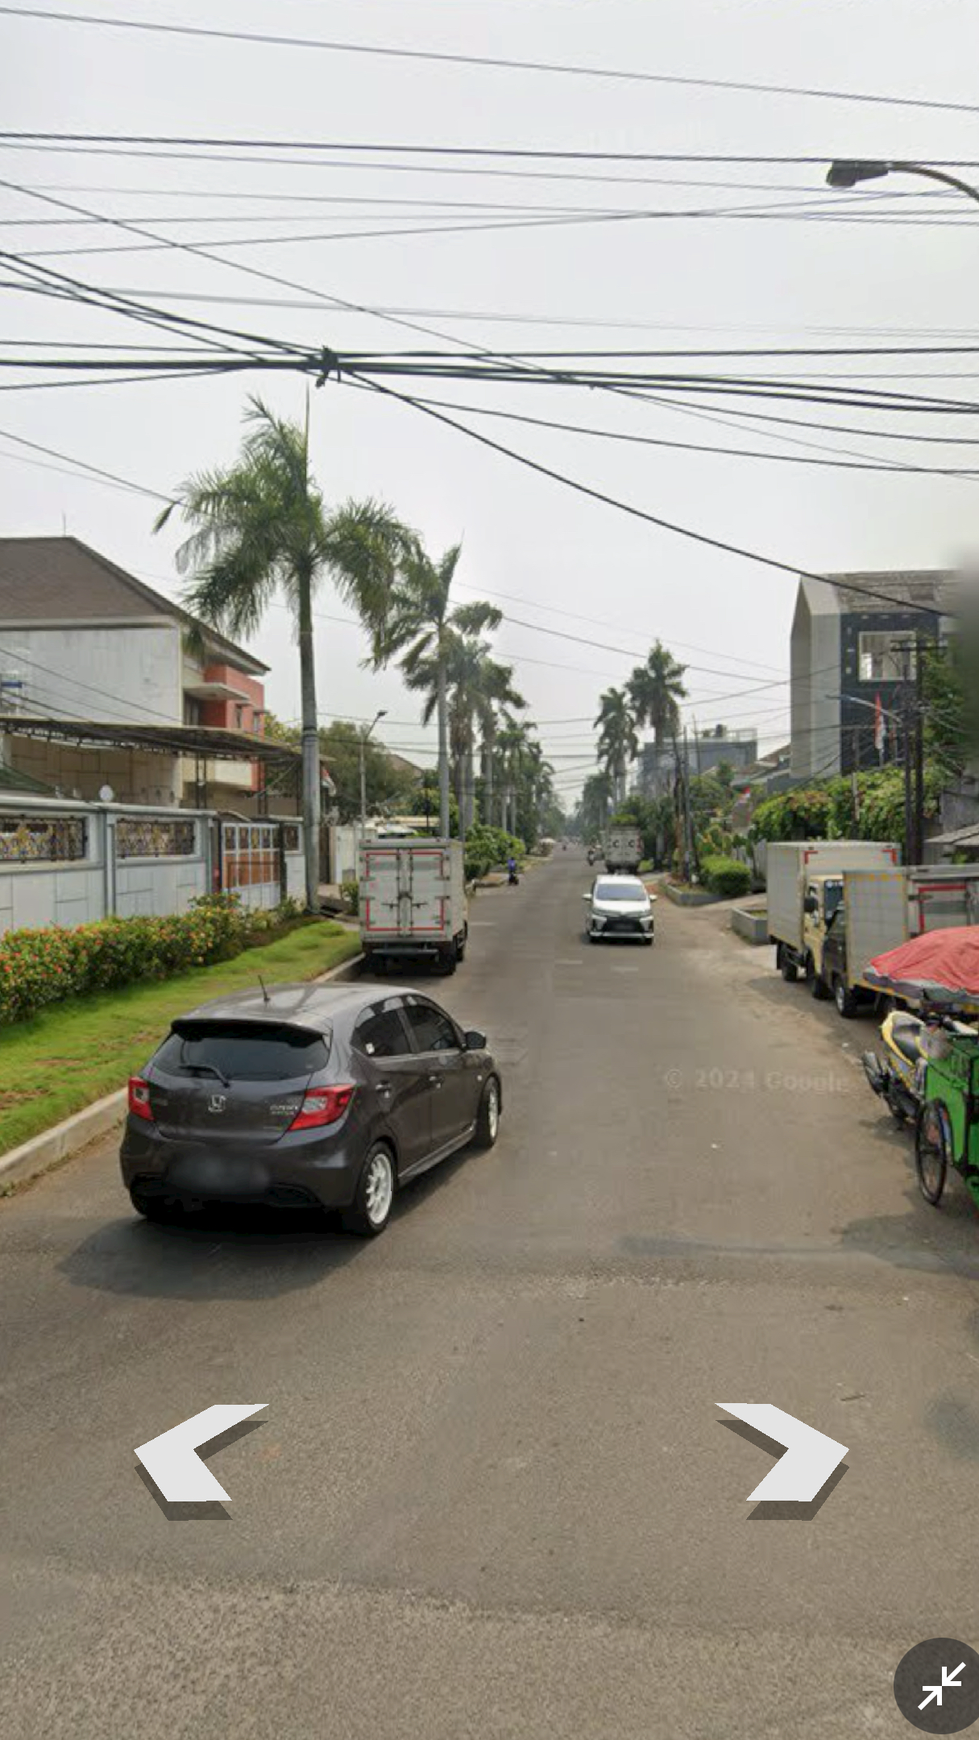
475 1041
586 897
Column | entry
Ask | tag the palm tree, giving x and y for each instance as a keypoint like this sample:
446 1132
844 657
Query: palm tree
617 740
494 698
596 801
419 624
262 527
517 753
655 690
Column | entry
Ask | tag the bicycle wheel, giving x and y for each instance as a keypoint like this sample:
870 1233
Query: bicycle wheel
932 1150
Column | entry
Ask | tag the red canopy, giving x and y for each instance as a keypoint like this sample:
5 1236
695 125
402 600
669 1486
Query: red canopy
942 962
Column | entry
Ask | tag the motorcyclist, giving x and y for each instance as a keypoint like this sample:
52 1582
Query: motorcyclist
511 865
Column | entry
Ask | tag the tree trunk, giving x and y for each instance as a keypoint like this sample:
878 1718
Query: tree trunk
488 758
310 746
443 729
470 784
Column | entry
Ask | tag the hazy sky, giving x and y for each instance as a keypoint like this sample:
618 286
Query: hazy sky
545 554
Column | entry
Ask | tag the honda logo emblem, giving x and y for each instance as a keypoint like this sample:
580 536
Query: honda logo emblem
217 1102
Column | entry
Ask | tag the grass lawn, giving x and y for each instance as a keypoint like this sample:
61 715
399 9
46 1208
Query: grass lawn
77 1051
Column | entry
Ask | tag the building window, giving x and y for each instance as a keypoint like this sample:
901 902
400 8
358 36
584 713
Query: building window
192 710
887 657
239 718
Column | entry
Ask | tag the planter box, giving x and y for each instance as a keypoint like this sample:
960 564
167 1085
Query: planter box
689 896
751 923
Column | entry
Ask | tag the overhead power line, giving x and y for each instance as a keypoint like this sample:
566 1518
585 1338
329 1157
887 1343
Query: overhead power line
637 512
446 57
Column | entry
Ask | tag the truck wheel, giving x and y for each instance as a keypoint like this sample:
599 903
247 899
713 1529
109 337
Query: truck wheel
446 961
788 969
846 1002
461 947
820 989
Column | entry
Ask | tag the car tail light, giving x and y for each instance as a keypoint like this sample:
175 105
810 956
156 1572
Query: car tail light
322 1105
139 1098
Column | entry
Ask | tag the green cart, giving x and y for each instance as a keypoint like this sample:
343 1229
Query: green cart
947 1132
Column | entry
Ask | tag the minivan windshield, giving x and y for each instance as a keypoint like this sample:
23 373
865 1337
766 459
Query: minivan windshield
243 1051
619 891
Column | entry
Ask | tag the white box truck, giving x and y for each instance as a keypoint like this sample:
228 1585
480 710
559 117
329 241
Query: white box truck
879 910
804 889
622 850
412 902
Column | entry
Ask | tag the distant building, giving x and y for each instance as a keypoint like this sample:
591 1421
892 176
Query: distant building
851 649
707 750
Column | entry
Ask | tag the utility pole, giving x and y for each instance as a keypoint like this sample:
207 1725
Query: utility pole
909 841
687 815
919 750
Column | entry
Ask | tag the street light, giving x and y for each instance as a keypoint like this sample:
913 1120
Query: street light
848 171
380 714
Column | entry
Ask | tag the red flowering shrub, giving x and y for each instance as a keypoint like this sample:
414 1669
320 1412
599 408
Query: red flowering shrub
39 967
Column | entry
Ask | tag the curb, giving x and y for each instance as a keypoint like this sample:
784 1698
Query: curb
75 1133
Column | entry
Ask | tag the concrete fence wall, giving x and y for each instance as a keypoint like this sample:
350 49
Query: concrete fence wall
70 863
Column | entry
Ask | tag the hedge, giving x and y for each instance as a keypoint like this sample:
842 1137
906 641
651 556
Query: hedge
39 967
727 877
487 847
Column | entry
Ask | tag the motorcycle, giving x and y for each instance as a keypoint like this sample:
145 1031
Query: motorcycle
898 1077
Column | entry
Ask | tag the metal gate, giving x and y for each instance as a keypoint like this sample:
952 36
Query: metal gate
251 862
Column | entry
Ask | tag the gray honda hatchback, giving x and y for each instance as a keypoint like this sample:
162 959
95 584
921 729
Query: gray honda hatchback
328 1096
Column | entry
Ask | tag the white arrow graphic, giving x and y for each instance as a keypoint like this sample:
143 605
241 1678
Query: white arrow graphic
809 1459
948 1679
172 1461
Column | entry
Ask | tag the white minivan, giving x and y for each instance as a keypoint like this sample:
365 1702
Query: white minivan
620 906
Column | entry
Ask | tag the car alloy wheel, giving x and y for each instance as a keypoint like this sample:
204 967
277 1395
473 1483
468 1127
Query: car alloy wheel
369 1212
379 1190
488 1116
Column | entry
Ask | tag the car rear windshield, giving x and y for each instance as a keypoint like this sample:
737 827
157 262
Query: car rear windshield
243 1051
620 891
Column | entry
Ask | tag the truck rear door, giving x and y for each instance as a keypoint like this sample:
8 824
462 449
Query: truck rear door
380 890
427 911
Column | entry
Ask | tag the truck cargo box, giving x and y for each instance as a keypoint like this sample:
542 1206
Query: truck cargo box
790 862
413 900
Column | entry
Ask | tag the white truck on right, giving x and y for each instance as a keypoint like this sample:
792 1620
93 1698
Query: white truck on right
804 889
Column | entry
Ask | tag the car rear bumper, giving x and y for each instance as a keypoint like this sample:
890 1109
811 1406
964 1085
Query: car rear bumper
323 1172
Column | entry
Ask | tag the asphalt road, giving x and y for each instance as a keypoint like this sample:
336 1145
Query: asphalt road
493 1495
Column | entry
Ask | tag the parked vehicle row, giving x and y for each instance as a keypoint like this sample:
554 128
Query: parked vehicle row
833 905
